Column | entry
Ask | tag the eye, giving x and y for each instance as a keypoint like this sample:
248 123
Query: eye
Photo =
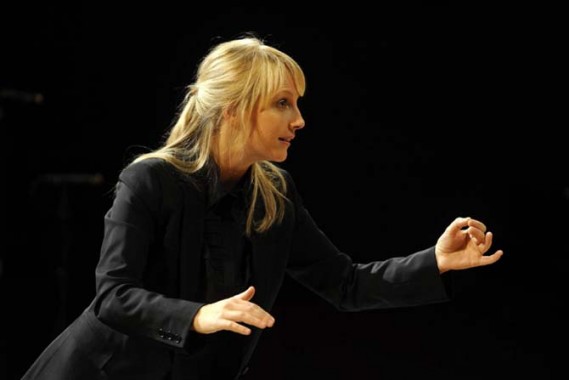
283 103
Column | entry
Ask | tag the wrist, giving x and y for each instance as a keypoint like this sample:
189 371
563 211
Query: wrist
441 262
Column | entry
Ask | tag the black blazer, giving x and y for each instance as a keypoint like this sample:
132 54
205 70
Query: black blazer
150 275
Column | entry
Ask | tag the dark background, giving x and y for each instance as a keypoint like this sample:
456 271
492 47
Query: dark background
414 116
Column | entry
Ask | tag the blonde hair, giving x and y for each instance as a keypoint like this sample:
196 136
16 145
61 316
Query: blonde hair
236 76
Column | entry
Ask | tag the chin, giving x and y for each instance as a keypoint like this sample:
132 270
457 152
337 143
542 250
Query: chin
280 158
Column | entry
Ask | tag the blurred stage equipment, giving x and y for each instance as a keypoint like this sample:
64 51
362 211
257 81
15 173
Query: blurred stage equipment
62 186
21 96
72 179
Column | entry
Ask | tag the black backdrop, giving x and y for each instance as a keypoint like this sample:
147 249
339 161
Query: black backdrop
414 116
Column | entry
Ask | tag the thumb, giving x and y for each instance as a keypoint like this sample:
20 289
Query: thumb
247 294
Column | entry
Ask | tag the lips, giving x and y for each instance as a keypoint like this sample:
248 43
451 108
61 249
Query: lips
287 139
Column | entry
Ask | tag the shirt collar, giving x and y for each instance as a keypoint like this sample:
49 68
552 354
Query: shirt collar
215 189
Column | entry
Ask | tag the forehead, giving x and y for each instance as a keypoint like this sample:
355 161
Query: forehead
287 86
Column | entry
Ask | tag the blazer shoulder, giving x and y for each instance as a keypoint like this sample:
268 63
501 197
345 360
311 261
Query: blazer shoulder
160 181
150 169
289 179
151 177
291 188
144 167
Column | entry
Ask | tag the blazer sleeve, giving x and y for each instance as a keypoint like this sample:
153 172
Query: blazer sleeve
121 300
319 265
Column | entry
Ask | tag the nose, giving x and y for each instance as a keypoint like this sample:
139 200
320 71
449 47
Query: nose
298 121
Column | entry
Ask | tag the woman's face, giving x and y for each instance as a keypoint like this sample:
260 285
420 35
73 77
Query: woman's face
275 125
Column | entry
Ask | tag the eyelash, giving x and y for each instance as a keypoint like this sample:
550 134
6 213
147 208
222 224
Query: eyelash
283 103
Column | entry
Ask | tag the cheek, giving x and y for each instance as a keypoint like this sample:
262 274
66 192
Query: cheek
259 141
267 128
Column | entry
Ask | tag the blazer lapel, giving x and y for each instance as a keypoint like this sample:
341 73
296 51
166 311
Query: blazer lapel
270 254
192 230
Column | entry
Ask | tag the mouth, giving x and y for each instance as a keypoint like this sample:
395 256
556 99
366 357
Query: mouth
286 139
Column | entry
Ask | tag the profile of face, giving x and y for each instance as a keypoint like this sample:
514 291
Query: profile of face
275 124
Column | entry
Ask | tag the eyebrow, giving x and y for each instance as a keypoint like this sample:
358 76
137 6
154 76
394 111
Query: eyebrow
287 91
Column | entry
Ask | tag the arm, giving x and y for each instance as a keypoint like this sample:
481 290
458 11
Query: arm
123 300
396 282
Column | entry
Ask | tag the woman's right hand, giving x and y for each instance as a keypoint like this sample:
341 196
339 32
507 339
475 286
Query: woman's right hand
229 313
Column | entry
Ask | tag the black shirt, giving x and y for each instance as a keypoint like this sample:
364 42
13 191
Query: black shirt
227 255
227 249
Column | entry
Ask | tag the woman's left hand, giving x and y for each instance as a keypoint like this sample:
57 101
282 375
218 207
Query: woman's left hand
463 245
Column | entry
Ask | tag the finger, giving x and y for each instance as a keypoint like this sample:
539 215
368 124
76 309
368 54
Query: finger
477 224
261 318
476 234
458 224
487 242
249 318
236 327
247 294
491 259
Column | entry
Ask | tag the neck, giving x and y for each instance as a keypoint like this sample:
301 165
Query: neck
230 175
232 164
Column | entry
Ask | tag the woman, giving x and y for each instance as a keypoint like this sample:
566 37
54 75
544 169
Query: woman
202 231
